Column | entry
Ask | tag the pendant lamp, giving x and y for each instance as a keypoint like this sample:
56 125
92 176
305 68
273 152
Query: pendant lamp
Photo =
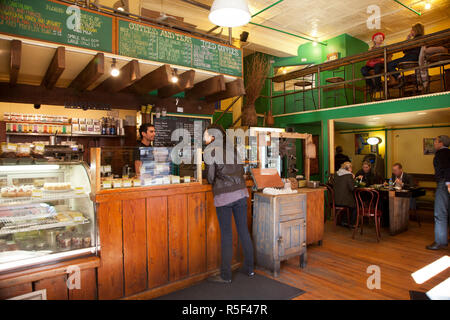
229 13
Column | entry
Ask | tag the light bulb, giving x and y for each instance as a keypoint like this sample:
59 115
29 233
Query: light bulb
174 79
121 9
114 70
427 5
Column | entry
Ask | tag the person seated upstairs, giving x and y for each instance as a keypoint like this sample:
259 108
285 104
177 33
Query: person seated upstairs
412 54
340 158
377 64
366 175
400 178
344 185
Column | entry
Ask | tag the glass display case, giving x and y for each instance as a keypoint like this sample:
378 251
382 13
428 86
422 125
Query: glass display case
127 167
46 214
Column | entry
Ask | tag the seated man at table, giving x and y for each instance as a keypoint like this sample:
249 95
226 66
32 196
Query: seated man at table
344 186
366 175
400 178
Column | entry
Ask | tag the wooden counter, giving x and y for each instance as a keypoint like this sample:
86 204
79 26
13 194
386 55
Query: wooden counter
314 214
155 240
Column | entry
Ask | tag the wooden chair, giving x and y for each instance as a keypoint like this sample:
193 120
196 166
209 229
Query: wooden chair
443 59
367 200
337 210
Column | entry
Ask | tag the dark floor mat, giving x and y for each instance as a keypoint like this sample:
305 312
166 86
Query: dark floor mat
242 288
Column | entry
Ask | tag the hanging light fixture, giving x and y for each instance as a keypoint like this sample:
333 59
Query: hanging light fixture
114 70
174 78
229 13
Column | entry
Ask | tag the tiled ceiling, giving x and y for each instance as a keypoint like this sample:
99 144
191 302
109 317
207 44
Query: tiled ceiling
321 19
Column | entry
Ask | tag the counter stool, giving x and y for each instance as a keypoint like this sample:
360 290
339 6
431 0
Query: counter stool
335 79
409 82
373 93
444 59
303 84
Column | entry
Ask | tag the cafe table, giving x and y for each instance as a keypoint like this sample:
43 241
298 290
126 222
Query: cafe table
399 206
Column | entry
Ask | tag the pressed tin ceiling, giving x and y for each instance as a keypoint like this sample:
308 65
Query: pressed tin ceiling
320 19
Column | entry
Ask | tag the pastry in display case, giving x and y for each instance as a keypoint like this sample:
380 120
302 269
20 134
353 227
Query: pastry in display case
46 214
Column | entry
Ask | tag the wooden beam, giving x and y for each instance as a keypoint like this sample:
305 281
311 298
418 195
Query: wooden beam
22 93
16 54
55 68
129 74
233 89
185 81
207 87
94 70
152 81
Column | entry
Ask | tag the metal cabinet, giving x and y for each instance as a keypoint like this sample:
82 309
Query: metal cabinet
279 229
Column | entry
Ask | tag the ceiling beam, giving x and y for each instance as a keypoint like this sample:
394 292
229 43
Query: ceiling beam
94 70
55 68
207 87
233 89
152 81
185 81
14 67
129 74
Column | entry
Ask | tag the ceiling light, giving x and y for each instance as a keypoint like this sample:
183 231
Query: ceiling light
373 141
229 13
121 9
376 118
174 78
284 71
114 70
427 6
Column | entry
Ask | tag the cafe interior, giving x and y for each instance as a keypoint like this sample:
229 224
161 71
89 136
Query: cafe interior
324 90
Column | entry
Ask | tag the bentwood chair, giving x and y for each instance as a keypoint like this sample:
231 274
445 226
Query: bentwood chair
367 200
337 210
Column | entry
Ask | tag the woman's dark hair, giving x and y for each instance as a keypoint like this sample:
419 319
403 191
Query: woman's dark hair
144 127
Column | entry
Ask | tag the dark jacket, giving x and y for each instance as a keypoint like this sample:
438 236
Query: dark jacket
369 178
441 164
226 177
407 180
343 190
339 159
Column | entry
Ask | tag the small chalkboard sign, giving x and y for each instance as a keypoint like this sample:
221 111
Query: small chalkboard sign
165 126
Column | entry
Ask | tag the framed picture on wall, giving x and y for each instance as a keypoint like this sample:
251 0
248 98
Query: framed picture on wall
428 146
361 145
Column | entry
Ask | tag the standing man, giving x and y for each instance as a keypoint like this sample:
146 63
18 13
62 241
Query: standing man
147 133
339 158
441 164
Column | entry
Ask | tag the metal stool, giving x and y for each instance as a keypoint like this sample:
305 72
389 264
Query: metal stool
372 93
303 84
408 81
444 58
337 79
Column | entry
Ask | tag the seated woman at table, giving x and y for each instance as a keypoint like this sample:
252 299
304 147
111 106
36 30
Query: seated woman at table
412 54
366 175
377 64
344 185
400 178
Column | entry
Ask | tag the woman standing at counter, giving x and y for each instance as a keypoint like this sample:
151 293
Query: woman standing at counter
230 197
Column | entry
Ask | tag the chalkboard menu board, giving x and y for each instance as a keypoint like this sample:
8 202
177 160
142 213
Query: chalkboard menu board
144 42
164 127
55 22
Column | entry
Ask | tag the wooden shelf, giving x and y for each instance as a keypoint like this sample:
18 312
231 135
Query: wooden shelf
62 135
39 122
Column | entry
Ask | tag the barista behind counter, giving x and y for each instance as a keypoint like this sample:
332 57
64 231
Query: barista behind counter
147 133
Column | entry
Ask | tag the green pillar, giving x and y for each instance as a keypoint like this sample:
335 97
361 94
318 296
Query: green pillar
325 148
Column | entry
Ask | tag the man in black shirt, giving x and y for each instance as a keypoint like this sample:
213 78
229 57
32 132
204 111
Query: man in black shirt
339 158
147 132
400 178
441 164
366 175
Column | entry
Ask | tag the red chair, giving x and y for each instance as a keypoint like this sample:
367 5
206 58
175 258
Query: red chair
336 210
367 200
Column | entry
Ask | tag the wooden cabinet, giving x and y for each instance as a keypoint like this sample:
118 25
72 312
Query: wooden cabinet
279 229
314 214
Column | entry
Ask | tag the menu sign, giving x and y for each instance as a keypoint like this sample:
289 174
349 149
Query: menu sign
164 127
150 43
55 22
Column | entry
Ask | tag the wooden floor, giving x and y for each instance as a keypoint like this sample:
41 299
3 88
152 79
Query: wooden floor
337 269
